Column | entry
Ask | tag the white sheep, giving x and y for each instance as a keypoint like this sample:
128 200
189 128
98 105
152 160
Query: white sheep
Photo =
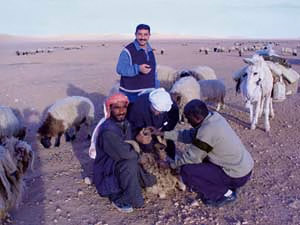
16 157
188 88
63 115
199 72
184 90
10 125
166 75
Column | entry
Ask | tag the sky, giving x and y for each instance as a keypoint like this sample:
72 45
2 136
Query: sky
209 18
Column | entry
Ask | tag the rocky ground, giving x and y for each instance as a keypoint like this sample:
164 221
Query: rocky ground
57 191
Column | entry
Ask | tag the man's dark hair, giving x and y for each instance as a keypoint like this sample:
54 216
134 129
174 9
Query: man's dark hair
196 108
142 27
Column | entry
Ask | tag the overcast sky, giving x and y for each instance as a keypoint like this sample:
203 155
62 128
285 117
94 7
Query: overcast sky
213 18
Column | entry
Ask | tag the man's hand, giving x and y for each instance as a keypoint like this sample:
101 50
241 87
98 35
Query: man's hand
155 131
144 138
145 69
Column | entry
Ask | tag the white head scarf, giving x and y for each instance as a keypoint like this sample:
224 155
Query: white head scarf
160 100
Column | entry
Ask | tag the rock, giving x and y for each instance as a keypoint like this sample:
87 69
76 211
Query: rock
58 210
195 203
295 204
80 192
87 181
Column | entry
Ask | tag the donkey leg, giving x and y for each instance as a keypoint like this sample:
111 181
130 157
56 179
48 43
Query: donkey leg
272 114
57 140
261 107
256 113
267 112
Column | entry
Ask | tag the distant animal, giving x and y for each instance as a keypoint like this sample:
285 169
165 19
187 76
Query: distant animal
16 157
256 87
10 124
64 115
154 163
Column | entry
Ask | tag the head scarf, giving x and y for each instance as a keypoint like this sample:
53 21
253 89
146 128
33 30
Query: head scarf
113 99
160 100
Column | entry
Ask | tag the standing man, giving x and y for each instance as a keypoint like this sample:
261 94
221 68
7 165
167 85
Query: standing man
117 173
137 65
216 162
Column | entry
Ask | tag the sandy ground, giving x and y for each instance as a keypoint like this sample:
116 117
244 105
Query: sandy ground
55 190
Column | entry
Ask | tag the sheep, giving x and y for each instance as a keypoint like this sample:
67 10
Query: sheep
183 91
16 157
63 115
166 75
155 164
213 91
188 88
10 125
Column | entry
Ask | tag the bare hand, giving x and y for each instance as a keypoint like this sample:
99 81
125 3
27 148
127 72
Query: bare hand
145 68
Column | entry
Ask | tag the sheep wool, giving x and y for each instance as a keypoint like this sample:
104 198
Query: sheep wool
9 123
72 110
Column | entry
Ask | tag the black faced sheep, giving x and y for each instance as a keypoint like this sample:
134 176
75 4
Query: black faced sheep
10 125
16 157
64 114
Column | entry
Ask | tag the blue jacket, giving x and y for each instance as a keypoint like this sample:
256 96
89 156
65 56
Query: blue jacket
128 68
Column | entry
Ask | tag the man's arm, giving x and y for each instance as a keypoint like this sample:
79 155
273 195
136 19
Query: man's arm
125 67
116 148
184 136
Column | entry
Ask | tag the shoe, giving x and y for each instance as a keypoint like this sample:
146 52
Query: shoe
222 201
125 208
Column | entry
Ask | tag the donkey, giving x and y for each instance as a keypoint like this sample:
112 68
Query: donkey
256 86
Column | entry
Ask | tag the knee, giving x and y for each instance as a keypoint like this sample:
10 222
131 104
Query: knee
127 166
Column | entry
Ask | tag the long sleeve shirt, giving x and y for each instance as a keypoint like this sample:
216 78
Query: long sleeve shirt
125 66
217 141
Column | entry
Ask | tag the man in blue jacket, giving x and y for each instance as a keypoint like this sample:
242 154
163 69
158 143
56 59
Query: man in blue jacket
137 65
117 173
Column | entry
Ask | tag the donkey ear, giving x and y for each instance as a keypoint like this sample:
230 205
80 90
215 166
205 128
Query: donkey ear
248 61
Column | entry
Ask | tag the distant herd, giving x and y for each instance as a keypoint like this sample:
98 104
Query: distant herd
66 116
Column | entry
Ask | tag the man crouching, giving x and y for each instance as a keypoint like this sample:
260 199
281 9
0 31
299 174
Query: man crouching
117 173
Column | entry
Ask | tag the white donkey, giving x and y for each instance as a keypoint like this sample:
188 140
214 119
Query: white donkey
256 87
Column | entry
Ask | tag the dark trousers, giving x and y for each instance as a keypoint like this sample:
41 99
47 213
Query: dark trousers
132 178
209 180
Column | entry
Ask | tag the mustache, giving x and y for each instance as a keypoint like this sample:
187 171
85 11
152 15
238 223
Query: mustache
142 40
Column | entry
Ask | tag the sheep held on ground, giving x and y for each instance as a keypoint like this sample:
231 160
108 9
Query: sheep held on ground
183 91
166 75
64 114
10 125
213 91
154 163
16 157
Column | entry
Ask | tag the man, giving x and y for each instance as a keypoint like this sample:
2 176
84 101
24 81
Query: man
155 109
117 174
137 65
216 162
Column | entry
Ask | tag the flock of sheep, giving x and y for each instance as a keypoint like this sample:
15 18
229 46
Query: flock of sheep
66 116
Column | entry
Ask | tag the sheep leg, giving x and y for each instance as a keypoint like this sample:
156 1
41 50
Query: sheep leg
57 140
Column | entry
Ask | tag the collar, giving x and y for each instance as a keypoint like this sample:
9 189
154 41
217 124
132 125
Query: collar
137 46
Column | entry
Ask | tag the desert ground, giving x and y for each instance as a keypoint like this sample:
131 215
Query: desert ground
55 190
